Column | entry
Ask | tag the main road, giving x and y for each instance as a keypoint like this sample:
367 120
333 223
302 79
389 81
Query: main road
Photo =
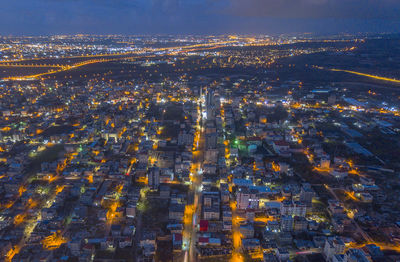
193 207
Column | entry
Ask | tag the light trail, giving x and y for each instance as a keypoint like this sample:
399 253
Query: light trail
387 79
63 69
30 65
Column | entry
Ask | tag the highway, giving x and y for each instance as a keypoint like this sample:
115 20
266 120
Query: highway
381 78
62 69
112 57
393 80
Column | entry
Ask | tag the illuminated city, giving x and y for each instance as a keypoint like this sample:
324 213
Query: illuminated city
200 147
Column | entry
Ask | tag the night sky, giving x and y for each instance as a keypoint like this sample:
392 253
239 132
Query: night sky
33 17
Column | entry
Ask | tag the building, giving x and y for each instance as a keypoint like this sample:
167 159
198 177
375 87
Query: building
247 230
154 177
296 208
247 198
211 213
355 255
299 209
306 194
286 223
281 147
300 224
282 254
211 141
333 246
176 212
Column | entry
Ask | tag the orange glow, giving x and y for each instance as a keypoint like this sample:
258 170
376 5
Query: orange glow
152 160
119 188
12 252
295 105
53 241
122 132
236 235
309 155
351 195
59 189
350 163
320 169
275 167
255 167
6 129
383 246
19 219
237 257
31 203
188 214
263 219
96 152
143 180
354 172
61 166
21 190
133 160
111 211
280 199
8 204
50 178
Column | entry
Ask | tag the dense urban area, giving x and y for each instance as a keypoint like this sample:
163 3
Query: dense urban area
200 148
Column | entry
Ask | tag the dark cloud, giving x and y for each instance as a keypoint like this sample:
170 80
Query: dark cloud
359 9
196 16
